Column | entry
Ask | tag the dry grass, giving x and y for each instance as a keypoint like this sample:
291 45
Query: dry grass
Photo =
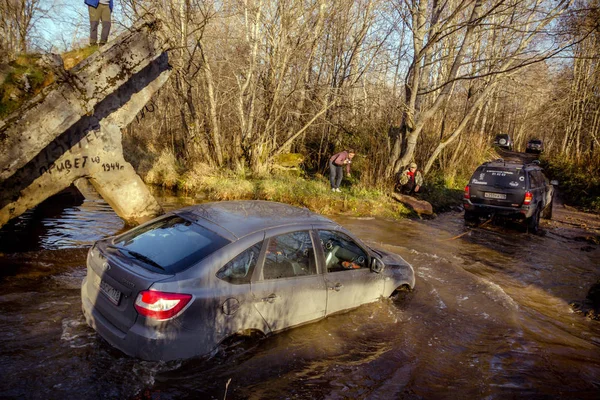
200 180
217 185
313 194
163 171
74 57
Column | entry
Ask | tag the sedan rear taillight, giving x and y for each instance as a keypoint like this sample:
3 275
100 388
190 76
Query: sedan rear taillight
528 198
160 305
467 194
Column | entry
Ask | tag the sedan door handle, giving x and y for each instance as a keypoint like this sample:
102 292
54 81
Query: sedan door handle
337 287
270 299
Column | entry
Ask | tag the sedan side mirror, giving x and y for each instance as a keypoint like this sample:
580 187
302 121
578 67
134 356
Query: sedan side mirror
554 182
377 265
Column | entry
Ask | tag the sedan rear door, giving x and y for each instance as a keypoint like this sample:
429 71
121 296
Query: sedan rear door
288 289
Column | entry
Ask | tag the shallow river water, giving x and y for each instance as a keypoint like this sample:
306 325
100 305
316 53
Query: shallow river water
490 317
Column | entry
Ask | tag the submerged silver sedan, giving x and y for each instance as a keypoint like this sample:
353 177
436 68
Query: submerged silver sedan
177 286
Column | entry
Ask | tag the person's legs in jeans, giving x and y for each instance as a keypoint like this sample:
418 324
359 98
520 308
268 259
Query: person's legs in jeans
104 10
339 175
332 174
94 22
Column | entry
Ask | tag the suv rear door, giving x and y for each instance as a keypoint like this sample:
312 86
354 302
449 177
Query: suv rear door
498 186
539 188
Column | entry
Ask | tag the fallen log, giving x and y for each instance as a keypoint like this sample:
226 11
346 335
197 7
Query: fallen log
421 207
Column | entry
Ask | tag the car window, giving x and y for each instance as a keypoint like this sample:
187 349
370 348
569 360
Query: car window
341 252
540 178
239 270
169 245
288 255
534 179
502 178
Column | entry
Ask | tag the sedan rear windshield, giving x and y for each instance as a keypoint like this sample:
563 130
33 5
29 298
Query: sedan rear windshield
502 178
169 245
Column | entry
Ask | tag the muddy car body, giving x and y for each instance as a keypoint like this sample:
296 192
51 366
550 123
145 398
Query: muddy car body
511 190
534 146
179 285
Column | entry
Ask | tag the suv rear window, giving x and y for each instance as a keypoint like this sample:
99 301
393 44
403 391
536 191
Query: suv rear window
169 245
498 177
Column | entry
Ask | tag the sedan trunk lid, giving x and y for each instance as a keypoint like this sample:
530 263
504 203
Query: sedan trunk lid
113 282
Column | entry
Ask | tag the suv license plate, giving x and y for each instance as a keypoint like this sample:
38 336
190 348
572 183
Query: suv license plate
113 294
494 195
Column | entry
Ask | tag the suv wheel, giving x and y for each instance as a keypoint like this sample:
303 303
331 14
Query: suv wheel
533 223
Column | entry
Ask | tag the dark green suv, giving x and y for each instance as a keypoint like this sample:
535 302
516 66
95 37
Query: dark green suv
509 189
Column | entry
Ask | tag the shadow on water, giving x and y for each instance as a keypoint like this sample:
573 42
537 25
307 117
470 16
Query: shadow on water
65 220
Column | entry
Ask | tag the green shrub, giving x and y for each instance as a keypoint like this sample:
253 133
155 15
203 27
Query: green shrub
579 183
442 194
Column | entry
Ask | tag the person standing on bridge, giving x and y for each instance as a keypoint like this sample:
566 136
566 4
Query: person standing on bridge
336 168
99 10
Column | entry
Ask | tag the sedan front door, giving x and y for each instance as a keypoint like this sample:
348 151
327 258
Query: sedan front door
289 290
350 281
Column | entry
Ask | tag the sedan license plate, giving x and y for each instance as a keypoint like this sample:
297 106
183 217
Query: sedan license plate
494 195
113 294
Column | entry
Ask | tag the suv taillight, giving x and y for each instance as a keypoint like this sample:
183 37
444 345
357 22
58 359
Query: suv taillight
467 194
160 305
528 198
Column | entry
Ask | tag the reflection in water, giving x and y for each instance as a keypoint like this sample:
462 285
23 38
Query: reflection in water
489 317
61 222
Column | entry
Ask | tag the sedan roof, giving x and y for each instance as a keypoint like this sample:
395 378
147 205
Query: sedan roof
241 218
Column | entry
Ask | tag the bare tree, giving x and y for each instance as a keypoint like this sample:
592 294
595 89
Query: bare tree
510 28
17 20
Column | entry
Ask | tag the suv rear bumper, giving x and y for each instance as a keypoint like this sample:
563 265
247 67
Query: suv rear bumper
508 212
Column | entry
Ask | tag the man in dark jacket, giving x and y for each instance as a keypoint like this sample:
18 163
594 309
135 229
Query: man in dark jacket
99 10
336 170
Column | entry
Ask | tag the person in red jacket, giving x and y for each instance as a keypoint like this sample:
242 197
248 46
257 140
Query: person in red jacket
336 168
410 180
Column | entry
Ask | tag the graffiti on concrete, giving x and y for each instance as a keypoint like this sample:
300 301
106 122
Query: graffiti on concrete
74 130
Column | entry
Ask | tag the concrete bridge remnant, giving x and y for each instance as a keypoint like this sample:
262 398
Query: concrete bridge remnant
71 131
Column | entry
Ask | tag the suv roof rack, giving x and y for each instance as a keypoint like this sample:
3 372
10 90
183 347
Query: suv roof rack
515 163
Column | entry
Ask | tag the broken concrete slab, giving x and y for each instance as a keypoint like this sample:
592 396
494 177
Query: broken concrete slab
30 129
41 161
